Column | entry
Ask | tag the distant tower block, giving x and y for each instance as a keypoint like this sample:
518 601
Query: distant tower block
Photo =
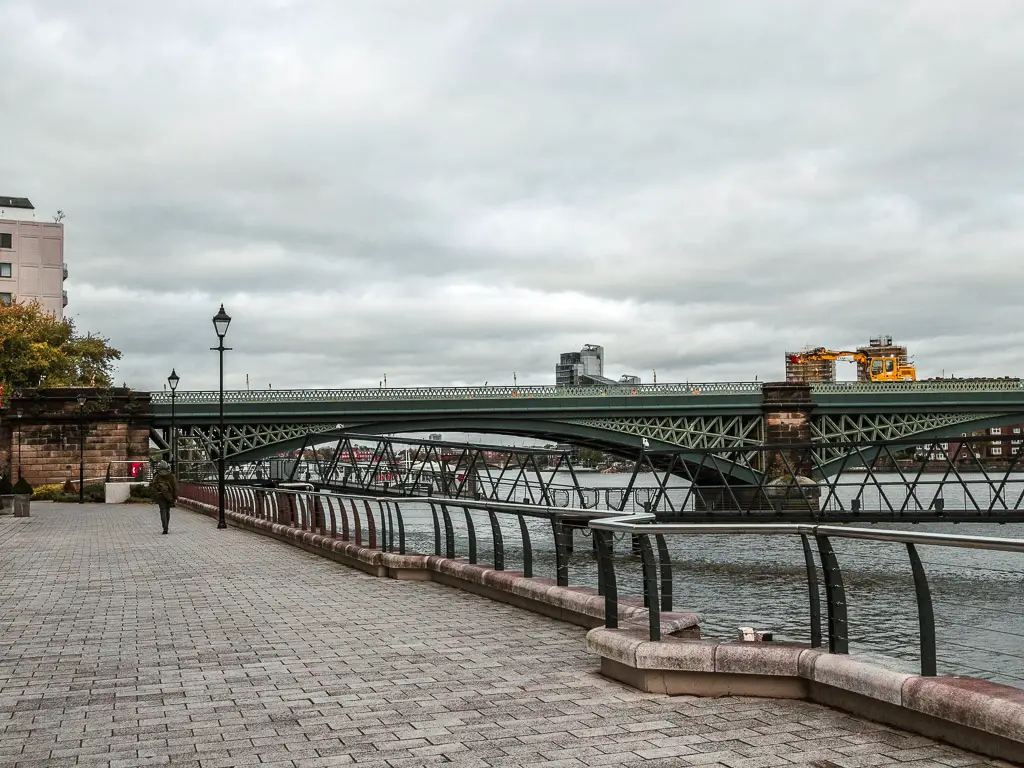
809 370
880 346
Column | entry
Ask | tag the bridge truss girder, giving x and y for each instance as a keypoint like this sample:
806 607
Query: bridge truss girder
629 436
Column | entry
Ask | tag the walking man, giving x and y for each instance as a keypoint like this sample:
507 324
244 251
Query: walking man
166 488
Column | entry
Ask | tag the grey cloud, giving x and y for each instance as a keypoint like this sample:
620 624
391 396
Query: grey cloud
452 191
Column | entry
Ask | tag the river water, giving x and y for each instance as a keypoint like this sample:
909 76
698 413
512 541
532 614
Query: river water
760 581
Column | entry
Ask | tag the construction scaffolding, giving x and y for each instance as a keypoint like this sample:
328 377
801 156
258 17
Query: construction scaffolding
800 370
880 346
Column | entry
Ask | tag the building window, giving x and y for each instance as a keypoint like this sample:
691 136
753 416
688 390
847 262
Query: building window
5 269
6 240
1015 450
996 431
1016 430
997 450
5 299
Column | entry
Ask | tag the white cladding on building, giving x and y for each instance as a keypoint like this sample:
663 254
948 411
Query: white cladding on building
572 366
31 257
586 369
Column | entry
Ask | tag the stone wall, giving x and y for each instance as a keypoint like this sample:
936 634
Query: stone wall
787 421
46 438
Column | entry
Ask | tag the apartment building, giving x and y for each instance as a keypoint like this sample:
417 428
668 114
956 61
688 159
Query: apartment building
31 257
1005 443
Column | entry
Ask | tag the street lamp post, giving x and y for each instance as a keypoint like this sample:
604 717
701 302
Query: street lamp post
81 448
221 321
19 415
172 382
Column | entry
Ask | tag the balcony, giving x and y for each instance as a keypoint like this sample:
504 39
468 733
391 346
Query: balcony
65 296
65 271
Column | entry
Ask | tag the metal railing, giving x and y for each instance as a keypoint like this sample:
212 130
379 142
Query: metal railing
612 390
653 557
915 387
455 393
657 572
380 523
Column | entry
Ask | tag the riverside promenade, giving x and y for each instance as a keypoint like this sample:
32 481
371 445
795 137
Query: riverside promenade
123 647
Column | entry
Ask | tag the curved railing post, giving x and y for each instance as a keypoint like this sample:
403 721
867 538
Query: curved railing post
356 527
371 526
665 568
497 542
344 518
561 557
449 534
812 590
925 616
650 586
383 526
391 527
401 528
437 528
471 532
606 564
318 512
524 532
835 595
334 518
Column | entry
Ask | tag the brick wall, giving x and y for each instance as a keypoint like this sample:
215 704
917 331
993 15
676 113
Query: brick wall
115 423
787 421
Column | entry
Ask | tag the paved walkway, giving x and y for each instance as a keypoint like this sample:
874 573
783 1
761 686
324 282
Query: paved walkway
123 647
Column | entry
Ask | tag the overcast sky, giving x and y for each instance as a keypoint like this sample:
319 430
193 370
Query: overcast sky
453 191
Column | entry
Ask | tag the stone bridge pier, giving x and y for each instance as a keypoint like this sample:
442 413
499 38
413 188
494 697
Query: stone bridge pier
787 422
41 432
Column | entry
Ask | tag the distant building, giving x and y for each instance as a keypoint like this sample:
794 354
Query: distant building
31 257
627 378
1007 444
573 366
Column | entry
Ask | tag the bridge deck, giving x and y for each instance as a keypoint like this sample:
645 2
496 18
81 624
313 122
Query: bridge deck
206 648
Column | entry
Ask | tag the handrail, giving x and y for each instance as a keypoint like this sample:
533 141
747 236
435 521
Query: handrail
454 393
320 511
947 385
644 525
550 391
636 524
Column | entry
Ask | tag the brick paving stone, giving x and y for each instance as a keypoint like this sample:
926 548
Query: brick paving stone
121 647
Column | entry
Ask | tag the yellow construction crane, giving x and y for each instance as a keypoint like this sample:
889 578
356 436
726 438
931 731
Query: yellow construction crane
878 368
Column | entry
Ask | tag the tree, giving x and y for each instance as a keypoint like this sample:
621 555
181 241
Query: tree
37 349
590 456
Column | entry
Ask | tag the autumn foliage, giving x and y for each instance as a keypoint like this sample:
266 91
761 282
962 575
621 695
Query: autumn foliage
37 349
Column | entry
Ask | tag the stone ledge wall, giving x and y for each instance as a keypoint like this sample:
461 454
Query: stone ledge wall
45 439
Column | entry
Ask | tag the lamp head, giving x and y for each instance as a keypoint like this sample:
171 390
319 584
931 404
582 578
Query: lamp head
172 380
81 401
221 321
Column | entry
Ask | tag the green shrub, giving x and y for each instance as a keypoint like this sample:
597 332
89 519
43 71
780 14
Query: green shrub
5 486
47 492
23 486
94 492
141 494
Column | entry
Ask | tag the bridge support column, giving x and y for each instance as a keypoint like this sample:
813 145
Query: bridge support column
788 468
